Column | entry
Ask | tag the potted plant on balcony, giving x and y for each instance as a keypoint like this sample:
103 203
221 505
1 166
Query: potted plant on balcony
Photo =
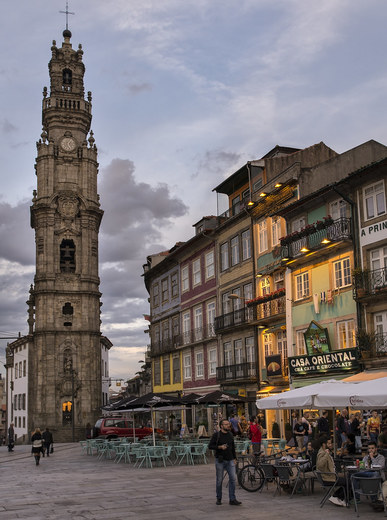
366 342
328 221
360 277
320 224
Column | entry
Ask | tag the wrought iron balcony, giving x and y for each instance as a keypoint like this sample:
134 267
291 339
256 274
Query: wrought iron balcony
315 237
271 308
370 283
381 343
232 319
169 344
236 372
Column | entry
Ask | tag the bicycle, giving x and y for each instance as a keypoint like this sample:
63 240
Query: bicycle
250 476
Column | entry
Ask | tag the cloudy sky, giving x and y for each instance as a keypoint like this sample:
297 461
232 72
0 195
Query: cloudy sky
184 93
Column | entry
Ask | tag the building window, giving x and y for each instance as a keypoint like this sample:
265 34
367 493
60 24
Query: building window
235 250
210 265
338 209
186 328
196 275
262 236
275 231
250 350
198 320
378 259
184 279
156 334
227 351
212 362
342 272
164 290
346 334
174 285
24 368
24 401
166 371
157 373
374 200
176 370
211 318
248 291
298 224
246 244
155 293
15 402
268 344
224 259
226 303
175 329
282 347
199 364
300 343
238 351
302 286
187 366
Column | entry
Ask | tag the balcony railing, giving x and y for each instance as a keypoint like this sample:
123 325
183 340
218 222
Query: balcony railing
340 229
381 343
271 308
231 319
370 283
233 372
191 336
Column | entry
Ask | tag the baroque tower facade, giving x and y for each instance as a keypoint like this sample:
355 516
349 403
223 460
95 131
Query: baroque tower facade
66 380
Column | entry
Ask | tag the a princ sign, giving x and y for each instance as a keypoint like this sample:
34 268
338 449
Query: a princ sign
374 233
345 359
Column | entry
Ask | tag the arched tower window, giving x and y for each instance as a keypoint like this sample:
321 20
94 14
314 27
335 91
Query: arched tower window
67 256
67 79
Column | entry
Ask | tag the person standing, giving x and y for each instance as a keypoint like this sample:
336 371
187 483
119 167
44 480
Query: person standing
300 430
256 435
37 443
373 427
223 444
47 441
323 424
356 426
342 427
11 437
234 424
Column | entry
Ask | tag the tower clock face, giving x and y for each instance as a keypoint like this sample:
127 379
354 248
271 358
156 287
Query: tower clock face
68 144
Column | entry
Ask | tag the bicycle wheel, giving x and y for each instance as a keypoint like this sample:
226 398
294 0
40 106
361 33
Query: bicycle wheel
251 478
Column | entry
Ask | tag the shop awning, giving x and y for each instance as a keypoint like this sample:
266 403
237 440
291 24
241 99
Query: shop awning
367 375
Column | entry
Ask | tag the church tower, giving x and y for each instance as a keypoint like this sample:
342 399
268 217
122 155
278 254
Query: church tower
67 369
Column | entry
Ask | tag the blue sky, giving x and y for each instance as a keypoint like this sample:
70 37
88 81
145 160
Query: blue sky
184 93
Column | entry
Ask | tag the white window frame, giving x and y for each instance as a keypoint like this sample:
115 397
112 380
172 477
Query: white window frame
338 209
262 236
302 285
174 285
224 257
211 313
185 279
346 334
342 273
227 353
235 254
187 367
268 345
186 327
375 197
156 295
250 349
199 364
275 231
212 361
164 290
238 352
246 244
210 265
196 273
198 323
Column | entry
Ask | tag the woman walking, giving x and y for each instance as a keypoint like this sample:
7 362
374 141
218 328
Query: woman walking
37 442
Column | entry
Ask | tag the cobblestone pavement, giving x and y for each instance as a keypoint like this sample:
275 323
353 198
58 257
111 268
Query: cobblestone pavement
70 485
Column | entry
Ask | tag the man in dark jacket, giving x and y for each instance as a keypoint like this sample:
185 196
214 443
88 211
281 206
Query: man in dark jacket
223 444
323 424
47 441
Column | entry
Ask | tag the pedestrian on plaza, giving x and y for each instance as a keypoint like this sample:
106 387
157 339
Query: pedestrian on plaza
255 434
47 442
88 431
225 458
243 426
300 431
234 421
373 427
343 427
382 439
356 426
323 424
37 443
11 437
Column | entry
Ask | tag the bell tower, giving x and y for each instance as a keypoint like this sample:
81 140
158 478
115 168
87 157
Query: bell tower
67 356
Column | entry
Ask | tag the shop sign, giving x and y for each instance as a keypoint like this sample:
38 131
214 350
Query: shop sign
273 365
373 233
316 339
344 359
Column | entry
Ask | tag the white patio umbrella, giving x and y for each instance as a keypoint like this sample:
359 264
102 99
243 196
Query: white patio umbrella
361 394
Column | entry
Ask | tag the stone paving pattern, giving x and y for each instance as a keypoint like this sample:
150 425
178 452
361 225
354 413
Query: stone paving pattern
70 485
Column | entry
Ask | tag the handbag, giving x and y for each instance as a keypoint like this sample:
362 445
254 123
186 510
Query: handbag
52 449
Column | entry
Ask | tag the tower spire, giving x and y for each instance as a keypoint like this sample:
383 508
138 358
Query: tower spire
67 12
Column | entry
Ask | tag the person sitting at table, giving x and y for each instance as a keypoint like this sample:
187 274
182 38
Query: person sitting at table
349 447
373 459
326 467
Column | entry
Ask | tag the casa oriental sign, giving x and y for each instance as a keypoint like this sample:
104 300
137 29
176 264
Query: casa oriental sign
337 360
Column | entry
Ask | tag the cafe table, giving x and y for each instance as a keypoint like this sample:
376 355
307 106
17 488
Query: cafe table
350 470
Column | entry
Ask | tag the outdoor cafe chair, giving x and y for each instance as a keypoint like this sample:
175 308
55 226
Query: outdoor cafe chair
156 454
369 487
84 446
140 455
268 474
198 452
183 453
329 486
284 474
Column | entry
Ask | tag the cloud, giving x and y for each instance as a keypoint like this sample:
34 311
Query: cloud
7 127
217 162
16 236
138 88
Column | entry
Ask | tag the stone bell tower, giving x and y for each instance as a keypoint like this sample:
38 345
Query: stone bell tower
67 355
